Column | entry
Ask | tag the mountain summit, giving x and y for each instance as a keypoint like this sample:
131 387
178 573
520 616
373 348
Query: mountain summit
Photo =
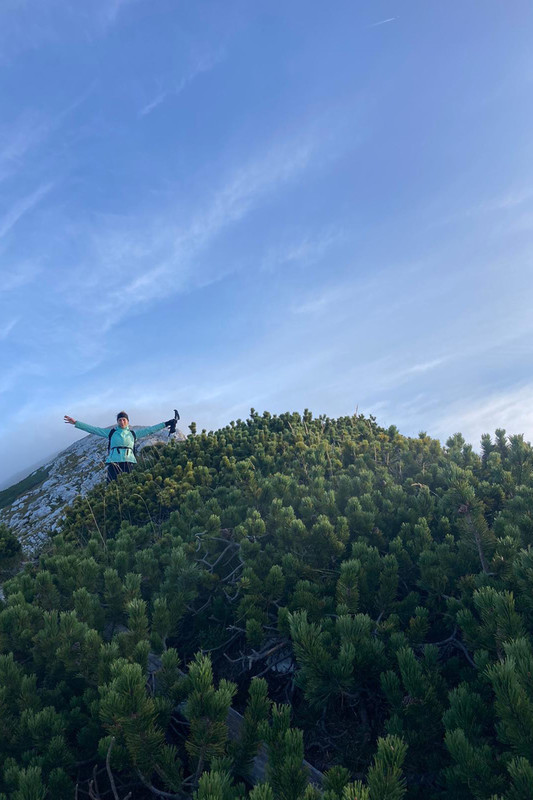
33 506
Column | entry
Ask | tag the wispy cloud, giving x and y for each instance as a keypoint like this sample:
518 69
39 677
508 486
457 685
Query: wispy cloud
111 9
9 378
341 297
29 24
29 132
104 269
383 22
389 374
514 197
306 249
510 199
139 262
22 207
503 206
424 366
473 416
200 66
322 301
19 139
156 101
18 275
7 327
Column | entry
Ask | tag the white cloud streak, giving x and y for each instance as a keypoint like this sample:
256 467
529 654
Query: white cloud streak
111 9
18 140
425 366
154 103
321 303
28 133
20 275
9 379
21 208
7 327
383 22
138 268
201 66
30 24
473 416
307 249
100 272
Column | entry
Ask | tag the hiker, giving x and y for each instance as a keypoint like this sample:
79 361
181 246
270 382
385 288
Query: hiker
121 441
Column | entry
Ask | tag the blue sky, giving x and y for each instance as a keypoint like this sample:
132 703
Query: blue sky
214 206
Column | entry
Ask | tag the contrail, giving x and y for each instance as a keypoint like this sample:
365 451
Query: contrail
383 22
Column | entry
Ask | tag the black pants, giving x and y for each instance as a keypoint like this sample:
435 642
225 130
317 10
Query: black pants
114 469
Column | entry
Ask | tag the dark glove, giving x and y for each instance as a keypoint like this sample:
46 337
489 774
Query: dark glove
171 423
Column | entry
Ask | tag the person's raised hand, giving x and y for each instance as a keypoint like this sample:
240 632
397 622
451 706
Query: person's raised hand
69 420
171 425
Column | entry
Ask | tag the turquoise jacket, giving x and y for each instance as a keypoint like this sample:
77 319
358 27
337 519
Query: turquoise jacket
122 437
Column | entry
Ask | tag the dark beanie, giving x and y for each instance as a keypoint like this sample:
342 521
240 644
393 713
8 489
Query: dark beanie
122 414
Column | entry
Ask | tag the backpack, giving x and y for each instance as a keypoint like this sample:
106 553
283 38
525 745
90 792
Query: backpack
110 434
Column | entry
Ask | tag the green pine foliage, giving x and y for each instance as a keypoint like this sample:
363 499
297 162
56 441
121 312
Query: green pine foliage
10 549
285 746
8 496
362 598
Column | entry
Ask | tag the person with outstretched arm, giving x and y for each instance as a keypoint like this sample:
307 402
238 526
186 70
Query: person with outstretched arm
121 457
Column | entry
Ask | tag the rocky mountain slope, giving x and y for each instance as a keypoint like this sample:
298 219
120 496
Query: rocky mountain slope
38 501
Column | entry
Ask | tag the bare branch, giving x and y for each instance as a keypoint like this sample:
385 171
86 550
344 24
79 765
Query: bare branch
108 768
158 792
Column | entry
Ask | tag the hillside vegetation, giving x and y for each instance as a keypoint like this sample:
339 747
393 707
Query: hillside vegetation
7 496
360 596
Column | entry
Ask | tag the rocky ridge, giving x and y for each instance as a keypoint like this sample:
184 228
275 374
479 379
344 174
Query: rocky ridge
35 513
